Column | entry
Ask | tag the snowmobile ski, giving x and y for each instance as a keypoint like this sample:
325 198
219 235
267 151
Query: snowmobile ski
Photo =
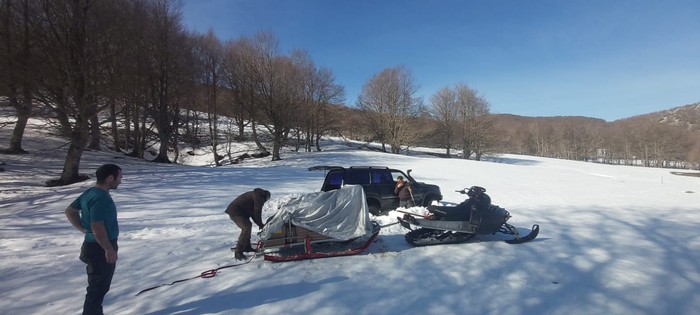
519 240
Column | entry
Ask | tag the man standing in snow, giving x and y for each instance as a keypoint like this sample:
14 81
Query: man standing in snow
240 210
95 214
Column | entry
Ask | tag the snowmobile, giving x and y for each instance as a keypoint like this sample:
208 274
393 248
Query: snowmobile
318 225
457 224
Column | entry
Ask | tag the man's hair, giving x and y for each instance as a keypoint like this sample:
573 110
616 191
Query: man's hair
105 171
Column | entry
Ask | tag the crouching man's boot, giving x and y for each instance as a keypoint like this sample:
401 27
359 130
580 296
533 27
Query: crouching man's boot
239 256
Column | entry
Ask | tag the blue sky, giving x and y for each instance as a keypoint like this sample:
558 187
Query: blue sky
602 59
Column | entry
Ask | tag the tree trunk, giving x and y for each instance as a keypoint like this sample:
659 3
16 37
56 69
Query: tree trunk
24 111
94 133
71 166
113 121
163 151
139 145
298 144
127 127
24 108
276 150
214 134
241 132
256 140
278 142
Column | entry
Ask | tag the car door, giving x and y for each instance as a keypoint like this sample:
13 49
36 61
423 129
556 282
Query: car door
417 191
384 184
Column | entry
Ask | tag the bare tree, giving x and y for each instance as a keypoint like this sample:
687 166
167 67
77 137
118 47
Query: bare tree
169 73
474 123
308 86
209 55
578 142
353 124
272 88
254 76
75 42
389 101
693 155
237 80
318 92
445 112
540 140
326 94
657 144
130 71
280 100
17 57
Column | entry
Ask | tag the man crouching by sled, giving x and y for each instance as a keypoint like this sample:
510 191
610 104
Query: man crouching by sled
240 210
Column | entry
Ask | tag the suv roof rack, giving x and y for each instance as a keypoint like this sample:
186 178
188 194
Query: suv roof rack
323 167
373 167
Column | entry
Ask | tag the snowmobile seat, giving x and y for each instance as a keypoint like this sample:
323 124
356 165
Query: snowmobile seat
450 213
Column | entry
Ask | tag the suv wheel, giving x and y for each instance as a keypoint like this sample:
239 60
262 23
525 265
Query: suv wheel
373 209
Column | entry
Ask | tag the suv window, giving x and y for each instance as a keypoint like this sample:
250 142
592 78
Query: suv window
395 175
335 180
381 177
353 177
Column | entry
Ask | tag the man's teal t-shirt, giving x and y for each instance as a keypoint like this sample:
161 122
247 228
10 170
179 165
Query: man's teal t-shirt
95 205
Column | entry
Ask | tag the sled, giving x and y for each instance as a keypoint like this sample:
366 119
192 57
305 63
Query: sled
296 243
458 224
319 225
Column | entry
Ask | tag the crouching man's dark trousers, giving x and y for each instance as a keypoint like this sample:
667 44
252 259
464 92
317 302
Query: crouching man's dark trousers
99 274
246 230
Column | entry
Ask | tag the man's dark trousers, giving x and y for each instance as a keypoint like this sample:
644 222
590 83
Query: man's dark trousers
99 274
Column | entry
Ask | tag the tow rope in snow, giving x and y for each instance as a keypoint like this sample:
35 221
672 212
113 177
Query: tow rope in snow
390 224
205 274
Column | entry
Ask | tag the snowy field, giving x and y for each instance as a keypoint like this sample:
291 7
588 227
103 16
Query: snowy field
613 239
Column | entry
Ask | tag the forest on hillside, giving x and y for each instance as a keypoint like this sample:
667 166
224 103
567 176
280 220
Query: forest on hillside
669 139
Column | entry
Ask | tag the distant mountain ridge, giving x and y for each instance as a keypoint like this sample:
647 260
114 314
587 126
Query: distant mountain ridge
687 116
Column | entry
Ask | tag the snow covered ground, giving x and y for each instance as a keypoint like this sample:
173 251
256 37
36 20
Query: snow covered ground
613 240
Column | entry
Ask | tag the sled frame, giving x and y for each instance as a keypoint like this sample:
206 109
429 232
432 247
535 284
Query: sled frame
308 250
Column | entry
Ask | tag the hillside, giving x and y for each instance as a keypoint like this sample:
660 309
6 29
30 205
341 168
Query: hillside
687 116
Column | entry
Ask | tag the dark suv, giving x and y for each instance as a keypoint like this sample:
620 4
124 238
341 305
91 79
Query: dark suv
378 184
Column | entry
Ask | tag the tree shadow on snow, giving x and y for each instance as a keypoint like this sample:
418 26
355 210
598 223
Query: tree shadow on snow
228 301
509 160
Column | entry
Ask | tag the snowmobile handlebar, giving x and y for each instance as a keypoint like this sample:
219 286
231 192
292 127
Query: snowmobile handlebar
463 191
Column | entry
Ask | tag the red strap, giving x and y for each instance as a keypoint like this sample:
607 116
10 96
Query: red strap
209 273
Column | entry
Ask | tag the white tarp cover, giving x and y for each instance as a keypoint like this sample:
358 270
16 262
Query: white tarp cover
340 214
